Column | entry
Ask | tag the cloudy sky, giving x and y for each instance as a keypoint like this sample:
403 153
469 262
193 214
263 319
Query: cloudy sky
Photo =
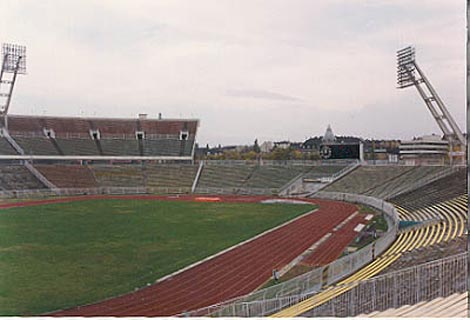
265 69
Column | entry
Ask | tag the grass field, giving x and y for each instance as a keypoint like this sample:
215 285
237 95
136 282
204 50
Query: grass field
61 255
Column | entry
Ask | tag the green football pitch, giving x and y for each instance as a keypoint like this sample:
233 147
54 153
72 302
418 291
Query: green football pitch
57 256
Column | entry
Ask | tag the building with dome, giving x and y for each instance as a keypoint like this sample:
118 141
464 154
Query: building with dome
333 149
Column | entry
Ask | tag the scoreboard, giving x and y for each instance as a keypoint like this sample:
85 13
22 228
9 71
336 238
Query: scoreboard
341 151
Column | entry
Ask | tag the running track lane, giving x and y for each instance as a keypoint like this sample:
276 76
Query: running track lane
332 248
234 273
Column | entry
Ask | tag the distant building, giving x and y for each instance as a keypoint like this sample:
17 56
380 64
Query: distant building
381 150
431 149
312 143
266 146
282 144
221 150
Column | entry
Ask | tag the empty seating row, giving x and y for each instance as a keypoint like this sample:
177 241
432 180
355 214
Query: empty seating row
173 176
323 171
117 147
68 176
402 182
273 176
164 147
87 147
366 178
36 145
258 177
455 305
74 146
17 177
6 148
119 176
441 190
220 176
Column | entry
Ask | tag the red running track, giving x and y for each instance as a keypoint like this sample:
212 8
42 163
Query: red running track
229 275
333 247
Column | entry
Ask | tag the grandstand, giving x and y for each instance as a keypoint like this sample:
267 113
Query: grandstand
99 138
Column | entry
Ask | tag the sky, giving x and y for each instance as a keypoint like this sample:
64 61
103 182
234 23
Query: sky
265 69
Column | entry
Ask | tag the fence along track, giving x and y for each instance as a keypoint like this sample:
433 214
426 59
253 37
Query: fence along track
437 279
453 212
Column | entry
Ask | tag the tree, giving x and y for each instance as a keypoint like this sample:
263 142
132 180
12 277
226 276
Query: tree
256 147
249 155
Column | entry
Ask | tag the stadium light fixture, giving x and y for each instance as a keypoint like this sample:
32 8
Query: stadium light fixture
14 62
14 58
406 67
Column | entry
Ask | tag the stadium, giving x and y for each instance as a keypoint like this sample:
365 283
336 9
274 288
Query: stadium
116 217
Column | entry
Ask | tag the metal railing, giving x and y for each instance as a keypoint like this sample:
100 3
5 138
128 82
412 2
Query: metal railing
281 162
237 190
136 190
198 175
345 171
274 298
292 185
43 193
107 136
425 282
296 184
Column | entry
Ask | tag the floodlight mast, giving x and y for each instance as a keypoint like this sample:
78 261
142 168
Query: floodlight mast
409 74
14 63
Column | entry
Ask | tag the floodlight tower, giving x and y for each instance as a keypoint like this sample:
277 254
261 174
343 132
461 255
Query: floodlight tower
409 74
14 63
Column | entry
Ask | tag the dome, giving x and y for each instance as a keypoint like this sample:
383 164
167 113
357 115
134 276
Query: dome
329 135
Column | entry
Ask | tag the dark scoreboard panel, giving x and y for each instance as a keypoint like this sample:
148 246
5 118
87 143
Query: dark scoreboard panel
340 151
